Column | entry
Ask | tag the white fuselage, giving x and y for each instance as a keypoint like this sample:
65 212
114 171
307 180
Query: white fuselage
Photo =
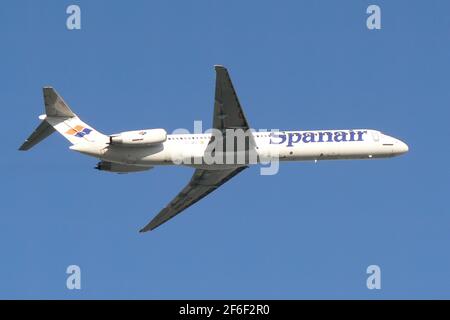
282 145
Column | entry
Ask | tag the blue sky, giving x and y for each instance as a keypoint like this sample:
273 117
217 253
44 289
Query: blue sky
309 231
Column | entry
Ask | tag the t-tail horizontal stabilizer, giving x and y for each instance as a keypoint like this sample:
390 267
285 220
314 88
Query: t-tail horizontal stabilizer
59 117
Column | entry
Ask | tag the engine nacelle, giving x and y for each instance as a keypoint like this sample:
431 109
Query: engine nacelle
119 168
139 138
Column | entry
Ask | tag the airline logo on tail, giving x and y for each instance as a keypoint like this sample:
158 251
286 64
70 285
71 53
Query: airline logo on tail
79 131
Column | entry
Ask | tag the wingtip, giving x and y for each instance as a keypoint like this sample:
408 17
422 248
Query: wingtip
144 230
219 66
24 146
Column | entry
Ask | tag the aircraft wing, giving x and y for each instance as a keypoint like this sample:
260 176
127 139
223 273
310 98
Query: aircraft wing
203 182
227 109
228 113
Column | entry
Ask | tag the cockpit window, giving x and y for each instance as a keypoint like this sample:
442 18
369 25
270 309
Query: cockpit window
375 136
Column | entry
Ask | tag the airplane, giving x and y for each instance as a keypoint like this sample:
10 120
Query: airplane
136 151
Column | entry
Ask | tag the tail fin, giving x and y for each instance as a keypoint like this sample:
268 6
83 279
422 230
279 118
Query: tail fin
55 105
59 117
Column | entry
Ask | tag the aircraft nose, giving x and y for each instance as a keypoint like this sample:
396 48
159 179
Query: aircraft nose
402 147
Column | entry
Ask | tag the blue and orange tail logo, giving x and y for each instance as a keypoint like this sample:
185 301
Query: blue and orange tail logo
79 131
